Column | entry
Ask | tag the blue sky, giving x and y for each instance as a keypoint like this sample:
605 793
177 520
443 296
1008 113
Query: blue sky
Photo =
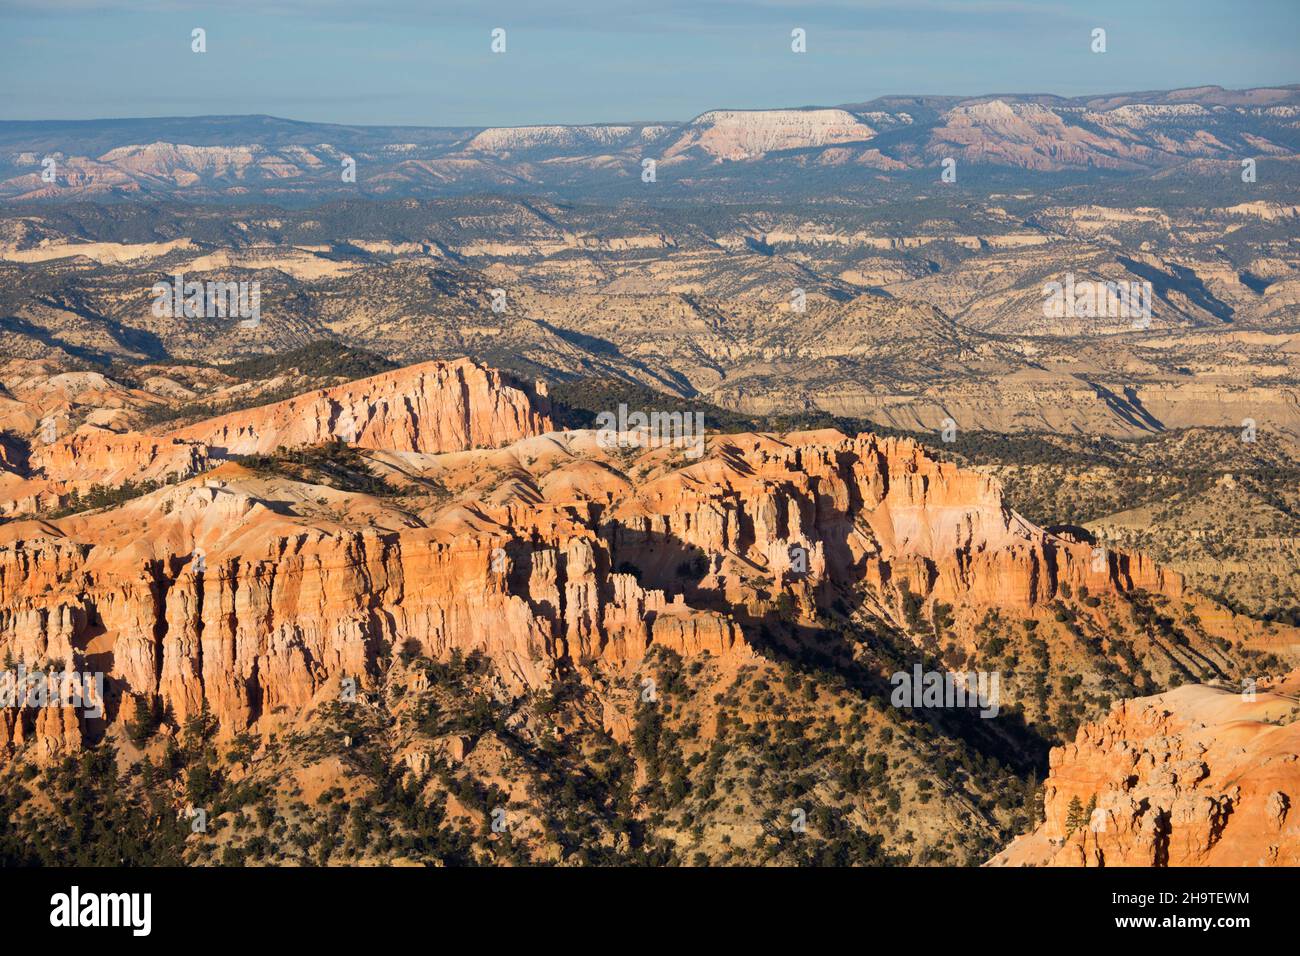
575 61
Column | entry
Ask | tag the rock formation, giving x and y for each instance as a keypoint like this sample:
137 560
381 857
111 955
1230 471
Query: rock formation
250 594
740 134
254 593
1198 776
432 407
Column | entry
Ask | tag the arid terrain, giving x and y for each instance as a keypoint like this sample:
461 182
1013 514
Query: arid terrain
370 577
415 591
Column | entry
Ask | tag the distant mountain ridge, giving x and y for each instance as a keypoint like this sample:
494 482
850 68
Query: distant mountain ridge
234 157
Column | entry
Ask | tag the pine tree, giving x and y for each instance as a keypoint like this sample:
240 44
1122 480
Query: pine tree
1074 818
143 724
1089 810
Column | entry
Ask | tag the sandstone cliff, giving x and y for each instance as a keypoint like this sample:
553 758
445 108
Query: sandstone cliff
432 407
1199 776
252 594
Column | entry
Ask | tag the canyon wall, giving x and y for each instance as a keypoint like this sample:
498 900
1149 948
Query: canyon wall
431 407
224 591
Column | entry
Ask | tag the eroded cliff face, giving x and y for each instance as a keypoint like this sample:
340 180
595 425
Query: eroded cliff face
130 592
93 456
257 594
431 407
1199 776
229 604
102 456
252 595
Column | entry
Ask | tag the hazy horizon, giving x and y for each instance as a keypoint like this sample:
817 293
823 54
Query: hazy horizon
579 62
624 120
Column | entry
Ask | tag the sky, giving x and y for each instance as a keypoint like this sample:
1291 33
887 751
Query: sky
581 61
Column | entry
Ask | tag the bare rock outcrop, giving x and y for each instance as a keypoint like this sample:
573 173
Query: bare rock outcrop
252 595
1198 776
431 407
